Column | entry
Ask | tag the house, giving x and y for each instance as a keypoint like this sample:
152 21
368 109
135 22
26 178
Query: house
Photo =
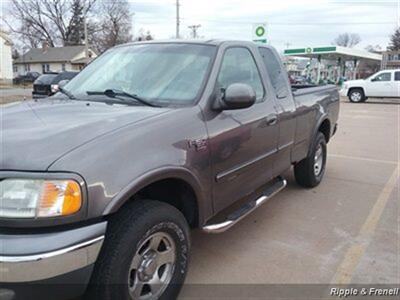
53 59
390 60
6 73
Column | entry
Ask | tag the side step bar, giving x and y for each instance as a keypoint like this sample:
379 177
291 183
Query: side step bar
246 208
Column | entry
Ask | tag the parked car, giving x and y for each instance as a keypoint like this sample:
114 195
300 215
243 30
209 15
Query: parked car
383 84
29 77
48 84
101 183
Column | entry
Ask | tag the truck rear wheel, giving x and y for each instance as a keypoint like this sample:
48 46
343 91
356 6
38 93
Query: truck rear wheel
145 254
357 96
309 171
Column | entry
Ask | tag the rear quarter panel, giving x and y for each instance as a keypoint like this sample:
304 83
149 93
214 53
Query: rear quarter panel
313 106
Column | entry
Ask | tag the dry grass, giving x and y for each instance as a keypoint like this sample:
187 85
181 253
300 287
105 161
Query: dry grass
15 86
9 99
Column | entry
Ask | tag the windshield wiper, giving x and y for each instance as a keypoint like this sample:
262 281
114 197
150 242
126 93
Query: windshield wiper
65 92
112 93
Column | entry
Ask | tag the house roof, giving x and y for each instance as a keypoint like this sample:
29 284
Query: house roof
51 54
84 60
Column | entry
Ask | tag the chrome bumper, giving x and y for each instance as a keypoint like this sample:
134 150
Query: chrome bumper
44 265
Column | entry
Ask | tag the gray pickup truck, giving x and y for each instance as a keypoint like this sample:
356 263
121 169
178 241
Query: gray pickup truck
101 183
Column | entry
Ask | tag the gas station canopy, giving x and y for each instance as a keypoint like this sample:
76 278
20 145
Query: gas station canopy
333 53
337 54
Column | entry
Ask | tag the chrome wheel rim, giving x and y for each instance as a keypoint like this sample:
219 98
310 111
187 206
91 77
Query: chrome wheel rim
356 96
318 160
152 267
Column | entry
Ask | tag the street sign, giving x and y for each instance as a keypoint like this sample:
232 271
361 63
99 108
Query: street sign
260 33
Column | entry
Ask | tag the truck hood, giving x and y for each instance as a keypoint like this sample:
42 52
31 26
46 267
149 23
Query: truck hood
35 134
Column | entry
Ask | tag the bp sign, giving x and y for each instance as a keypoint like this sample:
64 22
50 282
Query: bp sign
260 33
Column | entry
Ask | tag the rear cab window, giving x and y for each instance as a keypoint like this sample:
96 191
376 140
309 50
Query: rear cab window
277 77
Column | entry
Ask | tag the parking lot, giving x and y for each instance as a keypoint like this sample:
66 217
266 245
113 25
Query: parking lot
344 231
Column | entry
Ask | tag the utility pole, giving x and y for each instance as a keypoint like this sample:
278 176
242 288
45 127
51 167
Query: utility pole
86 38
177 19
194 30
287 44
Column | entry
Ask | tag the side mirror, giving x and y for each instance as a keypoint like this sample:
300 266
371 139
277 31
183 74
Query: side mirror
62 83
236 96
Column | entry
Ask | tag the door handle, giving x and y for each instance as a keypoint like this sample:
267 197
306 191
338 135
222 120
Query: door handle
272 119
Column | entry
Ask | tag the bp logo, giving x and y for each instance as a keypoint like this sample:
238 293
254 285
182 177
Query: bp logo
308 50
260 31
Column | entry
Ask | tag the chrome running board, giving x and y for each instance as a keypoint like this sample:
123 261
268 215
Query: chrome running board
246 208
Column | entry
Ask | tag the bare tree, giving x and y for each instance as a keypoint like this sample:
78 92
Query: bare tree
347 39
115 24
373 48
49 20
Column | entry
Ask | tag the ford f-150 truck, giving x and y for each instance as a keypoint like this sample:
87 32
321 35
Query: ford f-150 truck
101 182
384 84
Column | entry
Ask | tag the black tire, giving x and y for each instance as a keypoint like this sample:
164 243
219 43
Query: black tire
127 230
357 95
304 171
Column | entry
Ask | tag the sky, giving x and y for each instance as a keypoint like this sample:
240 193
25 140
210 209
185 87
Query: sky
290 23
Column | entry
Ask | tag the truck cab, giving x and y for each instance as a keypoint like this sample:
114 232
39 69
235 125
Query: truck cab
385 83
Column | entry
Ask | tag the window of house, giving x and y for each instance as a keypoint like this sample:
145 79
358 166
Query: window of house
27 67
63 67
15 68
45 68
238 66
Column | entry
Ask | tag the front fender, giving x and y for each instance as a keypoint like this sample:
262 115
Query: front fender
153 176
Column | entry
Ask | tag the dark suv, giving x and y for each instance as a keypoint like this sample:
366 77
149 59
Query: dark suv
47 84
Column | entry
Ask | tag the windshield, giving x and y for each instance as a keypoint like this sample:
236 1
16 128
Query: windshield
159 73
45 79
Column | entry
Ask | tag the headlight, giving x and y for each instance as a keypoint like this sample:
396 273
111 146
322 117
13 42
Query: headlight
24 198
54 88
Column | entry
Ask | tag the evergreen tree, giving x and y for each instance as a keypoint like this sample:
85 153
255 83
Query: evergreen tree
395 41
76 27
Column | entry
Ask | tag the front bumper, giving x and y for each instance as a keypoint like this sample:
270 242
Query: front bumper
36 95
41 258
343 92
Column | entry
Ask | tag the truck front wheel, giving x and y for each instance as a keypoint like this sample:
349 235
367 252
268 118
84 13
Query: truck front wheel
309 171
357 96
145 254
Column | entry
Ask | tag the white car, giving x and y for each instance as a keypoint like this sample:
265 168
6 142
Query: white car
385 83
